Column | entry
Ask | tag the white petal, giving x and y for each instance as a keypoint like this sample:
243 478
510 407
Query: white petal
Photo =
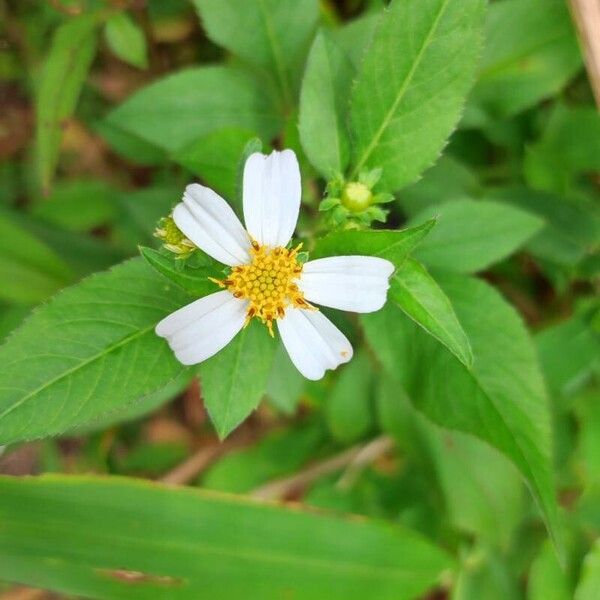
202 328
313 342
207 220
354 283
272 191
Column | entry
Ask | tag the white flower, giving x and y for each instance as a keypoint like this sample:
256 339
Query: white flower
266 280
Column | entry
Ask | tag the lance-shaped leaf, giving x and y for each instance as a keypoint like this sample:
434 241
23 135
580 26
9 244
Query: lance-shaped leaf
415 291
66 68
119 538
273 35
472 235
390 244
500 399
412 85
179 109
323 107
89 351
235 379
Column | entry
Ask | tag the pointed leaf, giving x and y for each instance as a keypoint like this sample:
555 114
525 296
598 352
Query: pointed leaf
89 351
390 244
323 107
412 84
235 379
120 538
500 399
420 297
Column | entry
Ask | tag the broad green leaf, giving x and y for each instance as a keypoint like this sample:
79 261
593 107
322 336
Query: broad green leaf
323 107
192 279
286 383
273 35
130 146
106 538
500 399
30 271
89 351
126 39
278 454
448 179
235 379
569 353
348 409
547 580
355 36
569 146
412 84
141 407
530 53
472 235
65 70
142 210
215 157
390 244
482 488
589 583
485 575
78 205
420 297
178 109
570 231
84 254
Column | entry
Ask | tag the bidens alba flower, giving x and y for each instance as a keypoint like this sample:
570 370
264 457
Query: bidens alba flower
267 281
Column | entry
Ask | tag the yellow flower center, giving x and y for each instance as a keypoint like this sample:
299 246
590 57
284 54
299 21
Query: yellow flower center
268 282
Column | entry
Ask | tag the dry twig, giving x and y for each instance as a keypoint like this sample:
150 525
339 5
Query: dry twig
586 14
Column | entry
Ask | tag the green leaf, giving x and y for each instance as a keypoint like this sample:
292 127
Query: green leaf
482 488
355 36
279 453
570 231
547 580
530 53
472 235
448 179
126 39
30 271
65 70
142 209
348 410
235 379
106 538
84 254
178 109
192 279
78 205
390 244
323 107
589 583
273 35
485 575
569 353
89 351
130 146
286 383
500 399
412 84
420 297
215 157
569 146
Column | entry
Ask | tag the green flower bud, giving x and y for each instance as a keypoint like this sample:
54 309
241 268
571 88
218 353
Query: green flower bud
173 238
356 196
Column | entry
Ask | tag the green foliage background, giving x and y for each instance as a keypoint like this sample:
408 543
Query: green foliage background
465 432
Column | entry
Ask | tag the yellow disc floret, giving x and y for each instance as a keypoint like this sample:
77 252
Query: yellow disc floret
268 282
